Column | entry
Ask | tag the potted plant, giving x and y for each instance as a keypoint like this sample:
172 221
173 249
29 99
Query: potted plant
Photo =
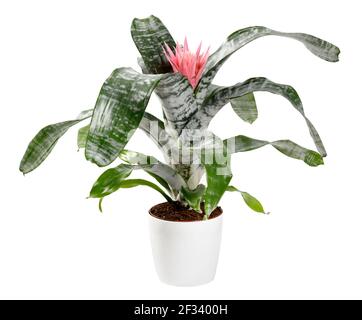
185 230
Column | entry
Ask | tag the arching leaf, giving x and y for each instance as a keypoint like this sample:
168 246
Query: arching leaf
222 95
154 167
240 38
245 107
115 178
43 143
155 129
109 181
131 183
287 147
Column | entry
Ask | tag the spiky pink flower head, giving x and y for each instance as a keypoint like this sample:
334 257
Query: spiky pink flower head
189 64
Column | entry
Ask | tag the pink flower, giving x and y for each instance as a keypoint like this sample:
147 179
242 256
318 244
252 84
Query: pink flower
189 64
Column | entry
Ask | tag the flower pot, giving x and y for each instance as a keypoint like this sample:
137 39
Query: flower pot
185 253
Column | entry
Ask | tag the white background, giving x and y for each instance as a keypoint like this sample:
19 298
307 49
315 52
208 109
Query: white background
54 243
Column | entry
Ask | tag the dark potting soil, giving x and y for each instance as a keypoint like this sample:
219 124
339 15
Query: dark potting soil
175 211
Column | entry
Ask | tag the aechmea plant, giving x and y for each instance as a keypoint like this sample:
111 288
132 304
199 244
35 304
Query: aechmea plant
184 83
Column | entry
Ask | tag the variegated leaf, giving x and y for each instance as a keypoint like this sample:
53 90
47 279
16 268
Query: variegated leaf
222 95
174 91
295 151
149 36
287 147
240 38
118 112
155 129
142 65
44 142
154 167
245 107
151 125
243 143
178 101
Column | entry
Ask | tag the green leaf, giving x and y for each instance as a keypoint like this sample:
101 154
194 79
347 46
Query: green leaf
240 38
287 147
245 107
131 183
149 36
194 197
118 112
100 203
116 178
43 143
82 136
218 176
251 201
220 96
110 180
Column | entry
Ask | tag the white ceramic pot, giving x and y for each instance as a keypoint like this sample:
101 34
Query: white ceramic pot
185 253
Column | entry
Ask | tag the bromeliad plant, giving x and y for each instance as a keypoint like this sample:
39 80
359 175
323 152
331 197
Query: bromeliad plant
183 82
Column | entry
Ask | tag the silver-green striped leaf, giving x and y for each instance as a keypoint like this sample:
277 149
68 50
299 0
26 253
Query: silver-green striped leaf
177 100
118 112
289 148
155 130
154 167
295 151
149 36
240 38
151 125
222 95
245 107
43 143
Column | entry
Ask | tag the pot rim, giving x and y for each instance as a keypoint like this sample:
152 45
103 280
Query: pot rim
188 221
